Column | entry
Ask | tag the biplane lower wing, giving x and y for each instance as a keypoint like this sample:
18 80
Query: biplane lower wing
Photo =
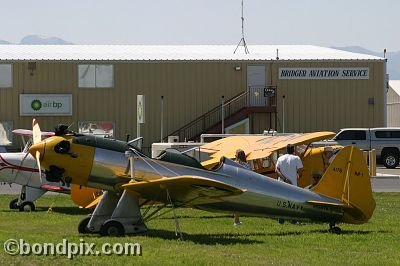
53 188
192 190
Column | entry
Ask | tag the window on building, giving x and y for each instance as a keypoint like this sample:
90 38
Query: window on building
99 128
95 76
5 76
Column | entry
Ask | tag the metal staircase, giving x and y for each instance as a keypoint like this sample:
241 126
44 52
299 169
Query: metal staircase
254 100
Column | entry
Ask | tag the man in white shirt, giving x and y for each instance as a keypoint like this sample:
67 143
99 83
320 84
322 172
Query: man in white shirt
289 166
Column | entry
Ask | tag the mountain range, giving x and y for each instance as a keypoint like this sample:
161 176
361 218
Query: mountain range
393 63
39 39
393 59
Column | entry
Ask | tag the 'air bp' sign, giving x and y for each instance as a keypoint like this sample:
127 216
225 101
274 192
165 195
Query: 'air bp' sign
45 104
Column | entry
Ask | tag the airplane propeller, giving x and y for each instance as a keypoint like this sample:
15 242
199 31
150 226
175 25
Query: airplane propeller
37 137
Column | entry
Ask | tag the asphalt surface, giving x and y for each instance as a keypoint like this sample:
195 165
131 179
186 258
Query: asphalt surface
387 180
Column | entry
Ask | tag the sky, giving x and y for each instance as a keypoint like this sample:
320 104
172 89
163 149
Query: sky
371 24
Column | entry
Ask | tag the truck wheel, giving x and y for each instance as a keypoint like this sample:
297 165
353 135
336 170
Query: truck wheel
390 160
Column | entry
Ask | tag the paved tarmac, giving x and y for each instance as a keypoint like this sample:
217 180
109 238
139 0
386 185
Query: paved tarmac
387 180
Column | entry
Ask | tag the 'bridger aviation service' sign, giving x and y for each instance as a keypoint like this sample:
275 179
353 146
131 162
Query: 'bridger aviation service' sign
45 104
324 73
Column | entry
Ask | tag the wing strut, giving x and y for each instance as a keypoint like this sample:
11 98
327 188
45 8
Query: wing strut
177 226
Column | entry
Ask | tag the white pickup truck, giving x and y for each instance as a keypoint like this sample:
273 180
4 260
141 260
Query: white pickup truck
385 140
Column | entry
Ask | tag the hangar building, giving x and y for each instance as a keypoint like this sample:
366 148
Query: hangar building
393 104
290 88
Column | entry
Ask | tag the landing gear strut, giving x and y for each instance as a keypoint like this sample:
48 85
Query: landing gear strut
334 229
114 216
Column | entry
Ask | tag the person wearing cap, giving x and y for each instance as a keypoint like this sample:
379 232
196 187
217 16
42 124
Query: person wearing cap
289 166
240 158
327 157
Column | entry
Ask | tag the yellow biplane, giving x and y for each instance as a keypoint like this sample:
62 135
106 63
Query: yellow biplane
262 152
20 168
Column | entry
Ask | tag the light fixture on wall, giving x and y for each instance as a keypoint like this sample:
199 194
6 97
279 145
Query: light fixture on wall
31 67
371 100
237 68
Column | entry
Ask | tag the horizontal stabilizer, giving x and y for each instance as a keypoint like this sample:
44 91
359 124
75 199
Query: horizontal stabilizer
186 190
321 203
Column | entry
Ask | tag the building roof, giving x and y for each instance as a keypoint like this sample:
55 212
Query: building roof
174 53
395 85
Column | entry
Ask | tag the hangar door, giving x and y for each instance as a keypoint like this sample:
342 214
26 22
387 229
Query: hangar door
256 81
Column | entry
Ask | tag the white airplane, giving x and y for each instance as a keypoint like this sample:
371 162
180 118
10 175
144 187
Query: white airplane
20 168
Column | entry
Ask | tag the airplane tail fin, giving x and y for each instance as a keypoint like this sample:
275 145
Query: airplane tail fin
347 179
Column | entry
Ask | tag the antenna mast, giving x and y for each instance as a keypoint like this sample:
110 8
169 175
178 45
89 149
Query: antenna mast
242 40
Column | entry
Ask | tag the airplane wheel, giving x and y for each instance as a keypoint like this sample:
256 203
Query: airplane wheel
27 206
82 227
14 204
112 228
335 230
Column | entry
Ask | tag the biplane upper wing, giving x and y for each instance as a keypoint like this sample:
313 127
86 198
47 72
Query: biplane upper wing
257 147
183 190
29 133
266 147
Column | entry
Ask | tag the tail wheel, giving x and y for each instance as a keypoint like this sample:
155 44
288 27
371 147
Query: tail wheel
390 160
27 206
334 229
112 228
14 204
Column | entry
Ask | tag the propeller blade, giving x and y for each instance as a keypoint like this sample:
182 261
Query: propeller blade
38 165
36 132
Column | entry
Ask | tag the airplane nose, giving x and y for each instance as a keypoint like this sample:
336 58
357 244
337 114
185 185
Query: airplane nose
38 147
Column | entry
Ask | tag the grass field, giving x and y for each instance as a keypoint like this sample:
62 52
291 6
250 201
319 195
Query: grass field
211 238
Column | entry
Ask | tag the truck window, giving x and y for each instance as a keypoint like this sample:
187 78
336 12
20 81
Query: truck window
387 134
352 135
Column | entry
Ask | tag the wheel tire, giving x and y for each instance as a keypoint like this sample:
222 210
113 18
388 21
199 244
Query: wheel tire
82 227
27 206
335 230
14 204
112 228
390 160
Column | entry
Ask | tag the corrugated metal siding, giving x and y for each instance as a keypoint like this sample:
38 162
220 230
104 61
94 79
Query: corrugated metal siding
393 108
189 90
193 88
331 104
260 122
